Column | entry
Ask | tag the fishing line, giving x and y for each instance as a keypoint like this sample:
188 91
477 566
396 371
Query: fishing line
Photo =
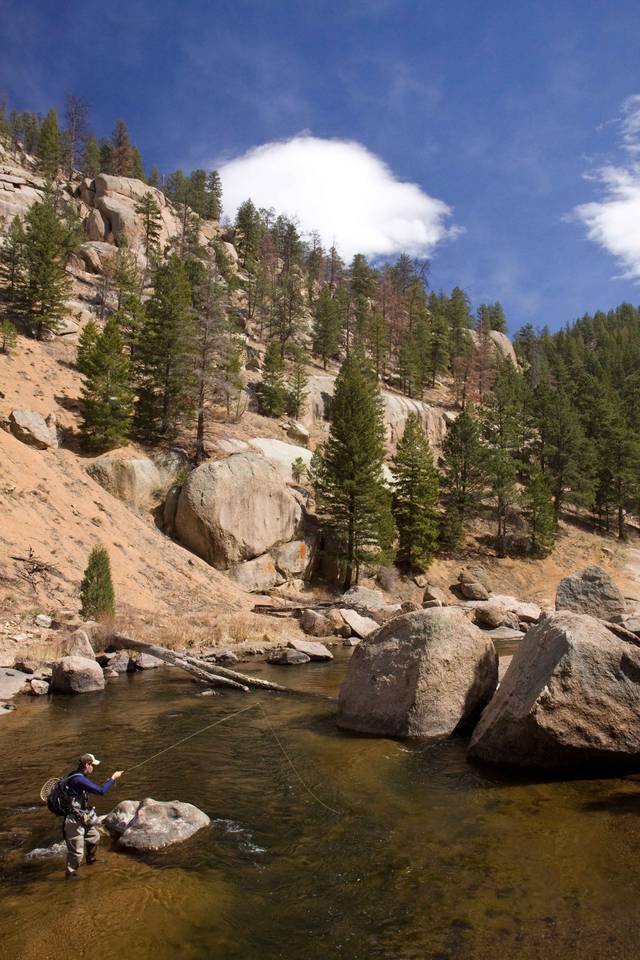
229 716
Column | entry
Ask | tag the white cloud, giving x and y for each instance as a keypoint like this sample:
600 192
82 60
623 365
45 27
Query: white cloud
340 189
614 220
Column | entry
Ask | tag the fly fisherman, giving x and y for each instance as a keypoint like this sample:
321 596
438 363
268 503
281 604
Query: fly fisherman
80 823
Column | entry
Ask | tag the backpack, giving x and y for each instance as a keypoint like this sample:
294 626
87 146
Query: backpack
59 800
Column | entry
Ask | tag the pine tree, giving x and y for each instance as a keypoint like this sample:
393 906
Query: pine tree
352 498
96 590
137 165
49 146
122 158
211 340
90 162
538 511
8 336
297 382
564 453
154 179
377 342
501 418
459 321
164 355
86 347
439 339
76 130
415 496
213 208
248 228
106 156
463 475
148 208
44 284
326 327
12 264
272 392
107 396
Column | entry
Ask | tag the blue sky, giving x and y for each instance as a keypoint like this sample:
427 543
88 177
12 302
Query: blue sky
498 110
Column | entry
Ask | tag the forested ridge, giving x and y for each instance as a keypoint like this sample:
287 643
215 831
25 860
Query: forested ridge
181 324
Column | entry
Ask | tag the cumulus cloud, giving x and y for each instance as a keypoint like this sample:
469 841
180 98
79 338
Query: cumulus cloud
341 190
613 221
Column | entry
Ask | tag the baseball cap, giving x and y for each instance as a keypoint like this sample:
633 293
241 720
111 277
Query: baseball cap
89 758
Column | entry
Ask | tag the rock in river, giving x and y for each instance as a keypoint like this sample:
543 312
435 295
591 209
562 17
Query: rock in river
77 675
423 674
153 824
570 698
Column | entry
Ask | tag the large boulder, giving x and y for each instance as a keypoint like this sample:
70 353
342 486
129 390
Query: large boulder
78 645
236 509
591 591
358 625
77 675
570 698
365 600
423 674
153 824
313 650
138 481
32 428
293 559
257 576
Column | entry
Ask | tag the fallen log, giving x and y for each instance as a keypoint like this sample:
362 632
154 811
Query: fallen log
125 642
221 676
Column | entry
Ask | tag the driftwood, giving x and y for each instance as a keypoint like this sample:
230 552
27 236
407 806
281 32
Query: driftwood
202 669
124 641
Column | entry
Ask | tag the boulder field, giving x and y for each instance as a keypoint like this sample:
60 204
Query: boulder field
423 674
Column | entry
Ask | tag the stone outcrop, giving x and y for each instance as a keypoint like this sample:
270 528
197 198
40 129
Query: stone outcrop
570 698
32 428
591 591
396 408
257 576
423 674
236 509
148 825
138 481
77 675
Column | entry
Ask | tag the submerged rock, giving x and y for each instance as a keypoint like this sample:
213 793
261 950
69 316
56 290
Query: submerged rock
287 657
154 824
423 674
570 698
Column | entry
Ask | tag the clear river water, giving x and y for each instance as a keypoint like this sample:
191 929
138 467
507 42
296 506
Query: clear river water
428 858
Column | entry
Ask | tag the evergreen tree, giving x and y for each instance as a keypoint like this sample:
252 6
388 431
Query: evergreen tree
90 162
459 322
415 496
106 156
213 208
122 158
12 264
248 228
297 383
439 339
272 392
501 420
8 336
326 327
44 283
164 355
154 179
96 590
564 453
49 146
538 511
353 501
107 396
148 208
86 347
377 342
463 474
211 340
137 165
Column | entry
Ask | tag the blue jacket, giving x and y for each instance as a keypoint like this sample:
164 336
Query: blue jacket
79 786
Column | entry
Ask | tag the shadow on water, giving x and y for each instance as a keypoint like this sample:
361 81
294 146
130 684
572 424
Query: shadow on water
429 857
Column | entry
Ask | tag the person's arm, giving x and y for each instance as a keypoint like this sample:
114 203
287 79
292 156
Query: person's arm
92 787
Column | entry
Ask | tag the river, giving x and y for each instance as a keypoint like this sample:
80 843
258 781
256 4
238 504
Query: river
427 858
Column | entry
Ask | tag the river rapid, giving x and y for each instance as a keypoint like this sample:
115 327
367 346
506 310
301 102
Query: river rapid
428 858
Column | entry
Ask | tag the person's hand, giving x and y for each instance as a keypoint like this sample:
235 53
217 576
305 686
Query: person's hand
117 774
